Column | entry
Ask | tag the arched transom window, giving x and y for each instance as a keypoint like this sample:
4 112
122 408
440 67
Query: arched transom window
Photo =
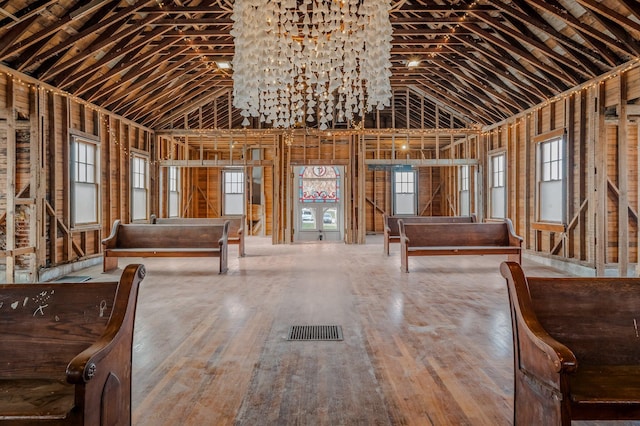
319 184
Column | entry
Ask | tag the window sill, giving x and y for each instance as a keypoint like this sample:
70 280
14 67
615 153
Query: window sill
86 228
549 226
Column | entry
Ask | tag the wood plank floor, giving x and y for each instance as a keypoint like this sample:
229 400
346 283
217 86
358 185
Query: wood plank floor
432 347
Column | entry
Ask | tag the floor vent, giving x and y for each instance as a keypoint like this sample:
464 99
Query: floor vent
315 332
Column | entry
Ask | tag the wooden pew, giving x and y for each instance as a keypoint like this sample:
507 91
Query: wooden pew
435 239
392 232
236 226
576 347
66 351
146 240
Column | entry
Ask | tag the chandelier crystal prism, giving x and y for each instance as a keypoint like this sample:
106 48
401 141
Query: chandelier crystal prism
298 61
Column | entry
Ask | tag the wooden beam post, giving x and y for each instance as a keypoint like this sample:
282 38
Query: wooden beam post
11 182
600 161
623 184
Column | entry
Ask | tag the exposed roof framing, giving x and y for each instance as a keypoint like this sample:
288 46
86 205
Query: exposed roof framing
154 62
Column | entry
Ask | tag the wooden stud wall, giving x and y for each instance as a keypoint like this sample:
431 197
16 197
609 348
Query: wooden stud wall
37 123
600 120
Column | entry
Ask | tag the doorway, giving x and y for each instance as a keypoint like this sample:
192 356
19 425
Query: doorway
319 211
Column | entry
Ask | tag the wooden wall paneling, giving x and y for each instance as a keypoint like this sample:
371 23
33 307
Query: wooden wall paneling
114 168
600 158
573 175
65 144
632 177
268 190
125 129
277 236
356 206
512 173
53 158
37 177
107 181
612 194
10 189
623 172
583 176
537 129
281 225
570 174
591 108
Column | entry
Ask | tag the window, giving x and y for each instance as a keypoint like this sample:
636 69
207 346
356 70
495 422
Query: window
404 192
551 181
465 198
233 188
498 193
174 193
139 172
85 199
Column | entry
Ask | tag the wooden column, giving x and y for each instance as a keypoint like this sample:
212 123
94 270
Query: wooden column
600 161
583 172
65 112
36 230
571 172
623 186
358 141
53 177
11 182
529 182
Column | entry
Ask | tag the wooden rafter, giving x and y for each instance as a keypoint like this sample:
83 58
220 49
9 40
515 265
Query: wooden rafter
483 60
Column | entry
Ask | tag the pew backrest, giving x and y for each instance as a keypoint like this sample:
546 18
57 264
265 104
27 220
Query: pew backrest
170 236
462 234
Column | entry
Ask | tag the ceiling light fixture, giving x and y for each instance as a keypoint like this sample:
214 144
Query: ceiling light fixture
412 63
223 65
317 59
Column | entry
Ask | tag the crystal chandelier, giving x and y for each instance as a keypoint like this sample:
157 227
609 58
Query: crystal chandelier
298 60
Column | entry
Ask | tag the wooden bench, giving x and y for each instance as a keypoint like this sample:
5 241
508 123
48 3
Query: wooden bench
392 232
66 351
434 239
576 347
146 240
236 226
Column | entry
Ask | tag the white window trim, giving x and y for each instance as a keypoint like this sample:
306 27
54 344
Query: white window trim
225 193
171 191
561 177
502 183
135 188
73 178
405 185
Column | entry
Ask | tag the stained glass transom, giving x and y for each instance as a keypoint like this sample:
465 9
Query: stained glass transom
319 184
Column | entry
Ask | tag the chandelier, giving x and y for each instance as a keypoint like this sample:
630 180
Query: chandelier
298 61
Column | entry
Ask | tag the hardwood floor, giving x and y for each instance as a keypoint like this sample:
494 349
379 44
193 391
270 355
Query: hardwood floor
432 347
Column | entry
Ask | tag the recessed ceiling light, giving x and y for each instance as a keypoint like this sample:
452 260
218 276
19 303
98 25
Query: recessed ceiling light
223 65
413 63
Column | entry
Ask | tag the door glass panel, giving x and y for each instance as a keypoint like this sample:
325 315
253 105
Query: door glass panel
308 216
329 219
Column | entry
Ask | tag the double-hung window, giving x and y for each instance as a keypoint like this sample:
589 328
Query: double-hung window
464 193
85 188
551 181
404 192
498 193
173 191
233 185
139 187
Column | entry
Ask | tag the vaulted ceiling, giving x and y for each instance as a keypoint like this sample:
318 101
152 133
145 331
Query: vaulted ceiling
155 62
